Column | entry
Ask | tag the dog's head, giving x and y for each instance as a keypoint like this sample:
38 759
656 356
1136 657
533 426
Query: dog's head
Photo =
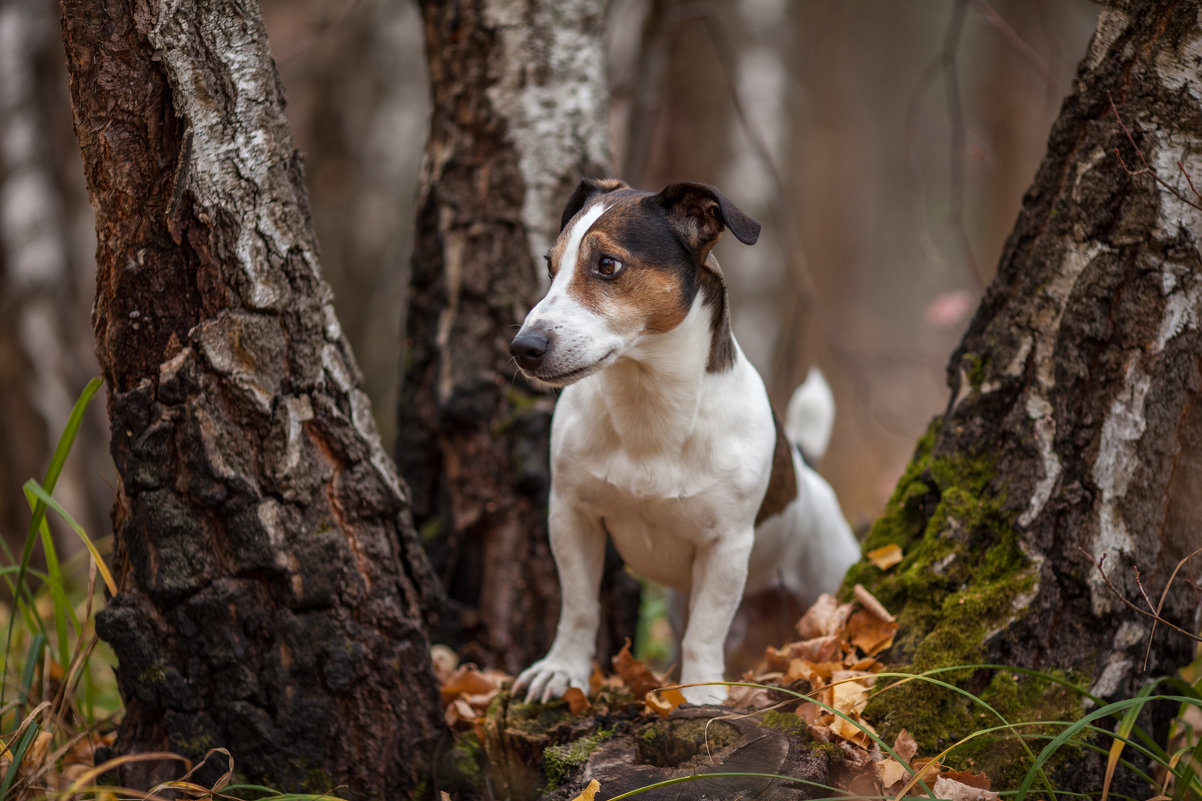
627 263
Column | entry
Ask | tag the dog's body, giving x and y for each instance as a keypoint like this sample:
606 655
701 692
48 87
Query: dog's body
664 439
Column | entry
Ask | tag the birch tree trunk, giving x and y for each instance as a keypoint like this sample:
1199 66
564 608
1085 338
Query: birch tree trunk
273 594
519 103
1074 425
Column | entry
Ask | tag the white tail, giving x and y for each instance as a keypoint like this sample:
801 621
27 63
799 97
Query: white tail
811 416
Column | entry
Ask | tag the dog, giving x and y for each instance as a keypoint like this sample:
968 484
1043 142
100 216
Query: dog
663 438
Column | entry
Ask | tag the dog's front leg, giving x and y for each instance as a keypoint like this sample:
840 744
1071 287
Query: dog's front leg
719 575
578 545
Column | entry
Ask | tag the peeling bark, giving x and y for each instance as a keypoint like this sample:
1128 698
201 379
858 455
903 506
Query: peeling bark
1073 422
273 594
518 99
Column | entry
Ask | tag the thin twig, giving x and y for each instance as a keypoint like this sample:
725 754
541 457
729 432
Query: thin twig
1147 169
1153 615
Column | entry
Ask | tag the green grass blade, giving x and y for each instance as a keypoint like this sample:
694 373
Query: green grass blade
53 471
32 660
18 755
44 497
1076 728
58 592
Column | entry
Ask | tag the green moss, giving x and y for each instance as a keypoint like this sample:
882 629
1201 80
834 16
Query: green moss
156 673
974 368
786 722
431 529
560 761
963 577
463 764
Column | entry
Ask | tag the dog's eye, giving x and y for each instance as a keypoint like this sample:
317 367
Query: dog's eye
609 267
550 274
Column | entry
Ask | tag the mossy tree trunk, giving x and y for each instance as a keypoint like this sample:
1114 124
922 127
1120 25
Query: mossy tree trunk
518 116
1074 425
273 596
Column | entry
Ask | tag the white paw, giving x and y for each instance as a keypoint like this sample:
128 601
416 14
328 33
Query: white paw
550 678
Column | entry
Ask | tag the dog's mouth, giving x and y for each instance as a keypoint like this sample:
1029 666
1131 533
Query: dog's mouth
567 377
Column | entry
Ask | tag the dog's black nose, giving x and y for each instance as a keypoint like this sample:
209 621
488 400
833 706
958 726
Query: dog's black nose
529 349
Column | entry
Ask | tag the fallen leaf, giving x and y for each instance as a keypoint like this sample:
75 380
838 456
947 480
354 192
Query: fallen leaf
953 790
818 649
871 604
662 702
905 746
825 617
869 633
890 772
978 780
589 793
638 677
468 680
597 680
445 661
885 557
577 702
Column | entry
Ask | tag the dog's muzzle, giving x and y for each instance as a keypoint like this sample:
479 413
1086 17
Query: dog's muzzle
528 349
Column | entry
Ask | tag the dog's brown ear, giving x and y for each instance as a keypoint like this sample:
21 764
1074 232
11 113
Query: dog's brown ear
588 189
699 211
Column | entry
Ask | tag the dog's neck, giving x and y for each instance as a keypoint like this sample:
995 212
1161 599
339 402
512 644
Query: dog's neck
654 391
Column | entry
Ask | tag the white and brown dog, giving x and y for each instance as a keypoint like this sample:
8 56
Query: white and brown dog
664 438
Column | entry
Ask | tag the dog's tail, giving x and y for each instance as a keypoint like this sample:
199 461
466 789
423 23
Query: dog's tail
811 416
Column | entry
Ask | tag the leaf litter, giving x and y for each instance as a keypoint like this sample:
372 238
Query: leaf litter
835 655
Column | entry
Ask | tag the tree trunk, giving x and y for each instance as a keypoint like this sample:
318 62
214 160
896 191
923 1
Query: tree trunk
1074 425
273 593
518 98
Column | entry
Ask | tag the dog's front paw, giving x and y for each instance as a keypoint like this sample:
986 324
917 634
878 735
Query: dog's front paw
551 677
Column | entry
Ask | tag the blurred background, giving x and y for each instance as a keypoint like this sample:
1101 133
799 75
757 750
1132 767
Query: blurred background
884 144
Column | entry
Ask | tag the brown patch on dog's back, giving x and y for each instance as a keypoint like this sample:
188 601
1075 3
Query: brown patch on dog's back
782 484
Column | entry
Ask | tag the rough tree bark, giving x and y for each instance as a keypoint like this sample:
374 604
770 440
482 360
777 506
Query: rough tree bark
1074 423
518 99
273 592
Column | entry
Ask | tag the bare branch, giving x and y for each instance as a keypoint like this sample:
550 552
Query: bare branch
1150 614
1147 168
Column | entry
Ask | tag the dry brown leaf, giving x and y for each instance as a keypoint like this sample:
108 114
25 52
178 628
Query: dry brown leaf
469 680
577 702
905 746
869 633
445 660
885 557
596 680
662 702
749 697
978 780
870 603
953 790
638 677
825 617
776 659
589 793
890 772
818 649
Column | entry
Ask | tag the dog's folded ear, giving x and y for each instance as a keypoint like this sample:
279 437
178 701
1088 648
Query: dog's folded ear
699 211
586 191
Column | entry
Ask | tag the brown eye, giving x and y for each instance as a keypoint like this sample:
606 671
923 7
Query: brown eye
609 267
550 274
